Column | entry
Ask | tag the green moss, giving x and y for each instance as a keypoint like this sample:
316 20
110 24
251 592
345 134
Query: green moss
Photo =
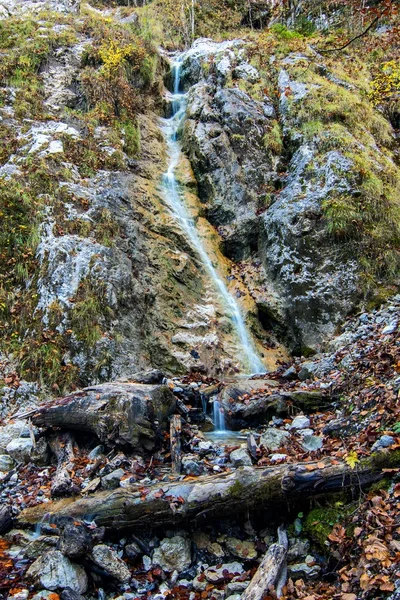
90 312
319 522
273 138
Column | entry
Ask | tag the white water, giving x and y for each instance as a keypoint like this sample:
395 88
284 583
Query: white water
218 417
174 198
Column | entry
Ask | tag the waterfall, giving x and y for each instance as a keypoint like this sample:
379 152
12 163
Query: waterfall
174 198
218 417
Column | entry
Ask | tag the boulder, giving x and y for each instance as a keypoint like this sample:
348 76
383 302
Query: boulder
55 571
272 439
240 458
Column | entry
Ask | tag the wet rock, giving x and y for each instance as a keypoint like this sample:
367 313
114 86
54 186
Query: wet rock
240 458
108 560
111 481
216 574
273 439
242 549
300 422
311 443
173 554
385 441
54 571
40 546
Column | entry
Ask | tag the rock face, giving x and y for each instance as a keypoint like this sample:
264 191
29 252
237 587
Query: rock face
54 571
12 7
264 187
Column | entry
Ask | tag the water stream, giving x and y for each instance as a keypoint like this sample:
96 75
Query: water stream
174 197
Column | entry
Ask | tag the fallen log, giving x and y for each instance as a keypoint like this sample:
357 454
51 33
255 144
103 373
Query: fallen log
268 576
210 496
122 413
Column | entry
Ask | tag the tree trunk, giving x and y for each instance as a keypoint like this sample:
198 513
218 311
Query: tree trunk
62 448
268 575
210 496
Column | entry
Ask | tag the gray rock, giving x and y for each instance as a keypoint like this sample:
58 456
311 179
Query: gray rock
6 463
173 554
40 546
216 574
132 550
54 571
391 328
272 439
304 571
311 443
278 457
300 422
385 441
240 458
236 587
12 431
111 481
290 373
242 549
108 560
298 549
191 465
20 449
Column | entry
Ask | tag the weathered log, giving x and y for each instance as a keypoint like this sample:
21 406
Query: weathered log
210 496
6 519
175 438
124 413
269 574
62 447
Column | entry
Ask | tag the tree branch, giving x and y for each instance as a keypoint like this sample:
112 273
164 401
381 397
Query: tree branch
357 37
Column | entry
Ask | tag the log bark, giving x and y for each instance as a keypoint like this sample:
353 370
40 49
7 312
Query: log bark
62 447
122 413
6 519
175 438
268 574
207 497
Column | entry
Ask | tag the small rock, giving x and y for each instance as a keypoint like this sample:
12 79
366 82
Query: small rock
272 439
235 597
147 563
216 574
20 595
216 549
240 458
75 541
245 550
173 553
290 373
303 571
391 328
132 551
111 481
236 587
96 452
300 422
6 463
20 449
307 371
277 457
69 594
191 465
45 595
311 443
385 441
54 571
39 546
108 560
298 548
205 447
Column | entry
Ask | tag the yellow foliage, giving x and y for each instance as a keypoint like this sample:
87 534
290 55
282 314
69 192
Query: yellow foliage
352 459
114 55
386 85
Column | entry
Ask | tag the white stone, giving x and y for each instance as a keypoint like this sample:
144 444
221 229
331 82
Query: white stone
55 571
20 449
300 422
173 553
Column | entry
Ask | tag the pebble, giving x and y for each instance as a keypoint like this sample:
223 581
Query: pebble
385 441
300 422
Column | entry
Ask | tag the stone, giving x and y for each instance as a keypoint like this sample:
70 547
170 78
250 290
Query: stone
290 373
242 549
391 328
173 553
69 594
300 422
304 571
205 446
20 449
277 457
216 574
112 480
6 463
21 594
236 587
12 431
307 371
311 443
191 465
108 560
385 441
272 438
54 571
298 549
216 549
44 595
240 458
132 550
40 546
75 540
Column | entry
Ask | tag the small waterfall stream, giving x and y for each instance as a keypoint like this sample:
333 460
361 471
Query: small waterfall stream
174 198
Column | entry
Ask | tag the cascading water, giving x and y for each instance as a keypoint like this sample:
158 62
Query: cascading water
174 198
218 417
